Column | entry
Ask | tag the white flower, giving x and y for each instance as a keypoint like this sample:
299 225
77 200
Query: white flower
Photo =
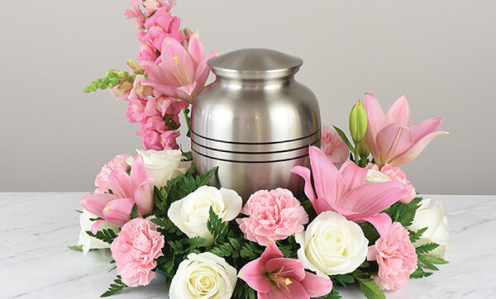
162 165
437 232
87 241
332 245
203 275
191 213
375 176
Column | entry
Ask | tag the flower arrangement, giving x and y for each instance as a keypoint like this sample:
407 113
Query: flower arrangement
359 220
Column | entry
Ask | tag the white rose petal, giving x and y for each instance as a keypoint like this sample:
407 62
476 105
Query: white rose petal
332 245
203 275
437 223
191 213
375 176
162 165
87 241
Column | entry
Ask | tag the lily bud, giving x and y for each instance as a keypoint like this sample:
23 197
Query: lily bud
363 150
135 66
358 122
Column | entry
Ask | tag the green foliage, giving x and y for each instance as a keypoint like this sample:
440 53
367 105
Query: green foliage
251 250
112 79
243 291
115 288
217 227
420 273
426 248
334 294
404 213
79 211
344 138
166 226
288 247
187 156
369 288
106 235
370 233
343 279
425 260
134 212
76 247
415 236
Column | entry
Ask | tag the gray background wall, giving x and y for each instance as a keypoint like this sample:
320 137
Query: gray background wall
440 54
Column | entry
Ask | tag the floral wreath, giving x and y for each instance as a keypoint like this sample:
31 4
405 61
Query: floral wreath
359 221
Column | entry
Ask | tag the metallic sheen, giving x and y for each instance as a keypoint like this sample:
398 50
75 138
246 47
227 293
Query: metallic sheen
255 122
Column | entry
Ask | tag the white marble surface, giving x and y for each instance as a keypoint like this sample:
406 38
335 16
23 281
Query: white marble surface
36 263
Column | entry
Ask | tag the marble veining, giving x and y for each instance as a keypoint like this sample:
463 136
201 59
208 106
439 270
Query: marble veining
36 229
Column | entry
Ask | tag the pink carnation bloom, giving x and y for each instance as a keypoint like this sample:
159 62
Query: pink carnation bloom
102 179
273 215
396 257
334 147
135 250
398 175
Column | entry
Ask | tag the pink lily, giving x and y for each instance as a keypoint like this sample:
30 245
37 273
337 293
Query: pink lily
182 72
345 191
390 137
276 277
127 190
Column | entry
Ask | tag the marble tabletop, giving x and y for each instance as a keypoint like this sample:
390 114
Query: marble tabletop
36 229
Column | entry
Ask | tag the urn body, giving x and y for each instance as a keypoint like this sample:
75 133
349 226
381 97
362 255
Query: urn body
255 122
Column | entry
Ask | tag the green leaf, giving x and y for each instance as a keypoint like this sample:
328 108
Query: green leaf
427 263
428 247
420 273
344 138
187 156
243 291
334 294
106 235
370 289
216 226
134 212
415 236
204 178
79 211
76 247
251 250
343 279
434 259
115 288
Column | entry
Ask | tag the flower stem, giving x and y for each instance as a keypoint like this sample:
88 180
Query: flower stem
188 121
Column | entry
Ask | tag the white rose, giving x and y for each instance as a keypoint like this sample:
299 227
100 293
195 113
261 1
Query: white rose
203 275
332 245
375 176
87 241
437 232
162 165
191 213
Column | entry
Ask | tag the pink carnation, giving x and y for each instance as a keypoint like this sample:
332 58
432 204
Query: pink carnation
135 250
334 147
273 215
396 258
398 175
102 179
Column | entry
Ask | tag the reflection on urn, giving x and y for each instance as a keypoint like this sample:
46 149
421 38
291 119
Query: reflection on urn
255 122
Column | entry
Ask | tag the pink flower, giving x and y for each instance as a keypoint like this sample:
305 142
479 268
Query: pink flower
135 250
334 147
345 191
102 179
182 72
159 26
153 5
390 137
158 141
135 13
127 190
396 258
398 175
273 215
147 53
274 276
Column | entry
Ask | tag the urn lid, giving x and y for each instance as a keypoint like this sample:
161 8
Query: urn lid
255 64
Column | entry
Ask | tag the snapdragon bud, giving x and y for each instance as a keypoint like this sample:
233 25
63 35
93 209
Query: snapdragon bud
135 66
358 122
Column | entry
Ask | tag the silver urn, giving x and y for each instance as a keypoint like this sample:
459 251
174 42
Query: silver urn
255 122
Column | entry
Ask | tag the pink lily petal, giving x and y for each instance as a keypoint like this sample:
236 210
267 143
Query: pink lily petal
96 225
203 69
416 149
378 197
253 274
187 92
400 112
119 182
157 74
316 286
377 120
425 128
292 290
141 183
305 174
353 175
328 183
294 268
173 53
195 48
392 141
94 203
118 211
382 223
